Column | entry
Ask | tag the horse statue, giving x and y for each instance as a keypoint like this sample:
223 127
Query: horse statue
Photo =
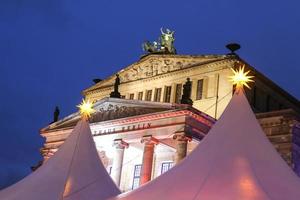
150 47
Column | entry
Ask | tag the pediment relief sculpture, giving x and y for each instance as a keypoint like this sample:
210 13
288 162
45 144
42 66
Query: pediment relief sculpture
111 111
154 65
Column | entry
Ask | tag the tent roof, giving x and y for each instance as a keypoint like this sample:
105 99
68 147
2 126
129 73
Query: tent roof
234 161
74 172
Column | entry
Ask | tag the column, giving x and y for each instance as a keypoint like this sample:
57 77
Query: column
146 171
181 145
116 170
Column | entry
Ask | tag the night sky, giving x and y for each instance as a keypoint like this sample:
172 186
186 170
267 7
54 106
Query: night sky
50 50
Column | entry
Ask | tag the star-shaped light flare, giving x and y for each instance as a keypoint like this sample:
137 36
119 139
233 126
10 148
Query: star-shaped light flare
86 109
240 78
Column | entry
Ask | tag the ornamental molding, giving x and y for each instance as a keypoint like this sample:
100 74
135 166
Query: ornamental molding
155 65
158 116
116 111
210 66
135 123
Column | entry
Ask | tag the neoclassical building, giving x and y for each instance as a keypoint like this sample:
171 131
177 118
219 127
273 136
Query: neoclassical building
145 132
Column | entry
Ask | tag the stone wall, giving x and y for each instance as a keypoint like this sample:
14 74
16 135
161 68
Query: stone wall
280 127
216 92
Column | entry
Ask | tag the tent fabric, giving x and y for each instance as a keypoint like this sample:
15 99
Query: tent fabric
234 161
74 172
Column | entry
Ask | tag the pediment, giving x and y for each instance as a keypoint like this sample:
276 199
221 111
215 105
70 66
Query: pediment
110 109
121 111
153 65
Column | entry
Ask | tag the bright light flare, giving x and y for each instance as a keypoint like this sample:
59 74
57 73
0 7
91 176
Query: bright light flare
86 109
241 78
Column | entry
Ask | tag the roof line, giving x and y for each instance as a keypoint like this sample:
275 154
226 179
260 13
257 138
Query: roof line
193 65
273 85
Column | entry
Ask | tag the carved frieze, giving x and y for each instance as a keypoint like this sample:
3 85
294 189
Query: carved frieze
154 67
110 111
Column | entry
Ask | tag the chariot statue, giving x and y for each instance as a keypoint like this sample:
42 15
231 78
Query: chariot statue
150 47
165 44
167 41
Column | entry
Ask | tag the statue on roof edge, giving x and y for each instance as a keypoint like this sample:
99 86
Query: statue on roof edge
56 114
165 44
167 41
186 96
116 93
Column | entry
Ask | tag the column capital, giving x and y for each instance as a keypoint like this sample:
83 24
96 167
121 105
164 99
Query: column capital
182 137
182 140
148 139
120 144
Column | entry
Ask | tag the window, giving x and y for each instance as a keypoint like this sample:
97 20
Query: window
178 93
140 96
131 96
165 166
199 89
122 96
136 176
168 94
148 95
157 94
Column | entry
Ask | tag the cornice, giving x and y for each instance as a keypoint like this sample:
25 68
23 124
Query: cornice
202 118
214 63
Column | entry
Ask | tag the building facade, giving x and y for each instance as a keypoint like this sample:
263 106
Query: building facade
147 131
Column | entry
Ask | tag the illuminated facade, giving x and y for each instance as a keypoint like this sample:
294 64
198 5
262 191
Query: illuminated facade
147 131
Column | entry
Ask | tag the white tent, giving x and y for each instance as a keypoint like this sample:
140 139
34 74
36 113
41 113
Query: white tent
235 161
74 172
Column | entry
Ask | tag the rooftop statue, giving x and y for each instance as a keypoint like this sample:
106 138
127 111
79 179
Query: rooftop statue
56 114
150 47
165 43
116 93
186 96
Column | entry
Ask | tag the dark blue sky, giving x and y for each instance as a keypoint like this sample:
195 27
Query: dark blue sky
51 50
